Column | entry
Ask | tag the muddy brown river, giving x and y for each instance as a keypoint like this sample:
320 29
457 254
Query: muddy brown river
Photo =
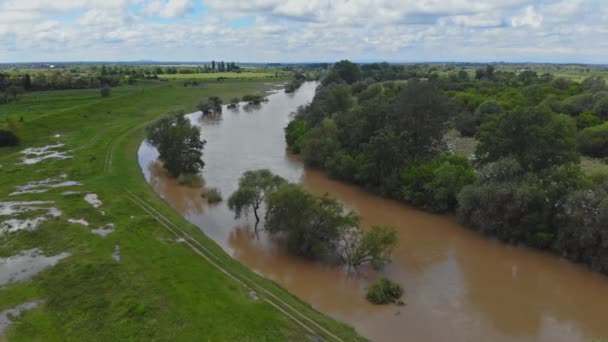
459 286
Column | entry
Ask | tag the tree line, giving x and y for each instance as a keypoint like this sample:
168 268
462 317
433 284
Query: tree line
383 127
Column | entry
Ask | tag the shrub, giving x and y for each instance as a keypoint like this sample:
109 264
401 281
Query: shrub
384 291
8 138
593 141
190 179
105 91
212 195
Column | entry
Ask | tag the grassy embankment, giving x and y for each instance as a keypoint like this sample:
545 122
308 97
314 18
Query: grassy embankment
162 288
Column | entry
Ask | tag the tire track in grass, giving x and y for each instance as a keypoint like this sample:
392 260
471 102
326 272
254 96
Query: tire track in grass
203 251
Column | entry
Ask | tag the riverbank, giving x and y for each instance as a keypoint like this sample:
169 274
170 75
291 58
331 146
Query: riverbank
459 285
128 276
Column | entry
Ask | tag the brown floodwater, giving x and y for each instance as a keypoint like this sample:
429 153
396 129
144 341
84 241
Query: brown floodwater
459 286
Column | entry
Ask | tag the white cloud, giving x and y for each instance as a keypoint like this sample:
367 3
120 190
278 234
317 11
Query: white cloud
291 30
169 8
528 17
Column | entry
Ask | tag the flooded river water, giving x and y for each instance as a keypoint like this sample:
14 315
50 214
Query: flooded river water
459 286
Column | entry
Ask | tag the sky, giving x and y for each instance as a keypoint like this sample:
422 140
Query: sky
305 30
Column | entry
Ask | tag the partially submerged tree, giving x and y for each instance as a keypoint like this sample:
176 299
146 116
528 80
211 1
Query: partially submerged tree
179 144
253 99
234 102
312 226
254 186
372 246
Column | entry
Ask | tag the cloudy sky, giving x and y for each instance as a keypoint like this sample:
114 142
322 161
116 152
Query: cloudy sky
304 30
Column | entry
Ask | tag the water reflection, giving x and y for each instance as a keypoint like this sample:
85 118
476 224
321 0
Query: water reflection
459 286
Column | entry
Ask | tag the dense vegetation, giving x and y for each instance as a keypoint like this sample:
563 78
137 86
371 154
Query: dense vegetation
384 127
315 227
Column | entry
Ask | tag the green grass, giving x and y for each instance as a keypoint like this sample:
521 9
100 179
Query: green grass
161 289
215 75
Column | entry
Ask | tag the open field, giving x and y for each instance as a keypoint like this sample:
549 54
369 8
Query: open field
168 281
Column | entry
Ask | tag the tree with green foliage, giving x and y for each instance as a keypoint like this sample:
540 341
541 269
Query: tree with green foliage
587 119
583 233
515 205
8 138
537 138
254 187
15 91
179 144
295 134
347 71
434 185
321 143
105 91
373 246
593 141
600 108
421 116
312 226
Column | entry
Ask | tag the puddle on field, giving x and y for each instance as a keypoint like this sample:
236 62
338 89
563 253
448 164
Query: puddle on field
116 254
7 316
93 200
104 231
81 222
35 155
44 185
26 264
30 223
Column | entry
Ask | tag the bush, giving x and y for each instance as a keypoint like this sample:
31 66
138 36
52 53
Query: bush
190 179
384 291
105 91
593 141
212 195
8 138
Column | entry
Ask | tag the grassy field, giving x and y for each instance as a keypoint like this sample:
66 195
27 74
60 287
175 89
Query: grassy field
229 75
171 282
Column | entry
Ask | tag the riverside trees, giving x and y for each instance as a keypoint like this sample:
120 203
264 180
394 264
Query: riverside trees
523 184
315 227
179 144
